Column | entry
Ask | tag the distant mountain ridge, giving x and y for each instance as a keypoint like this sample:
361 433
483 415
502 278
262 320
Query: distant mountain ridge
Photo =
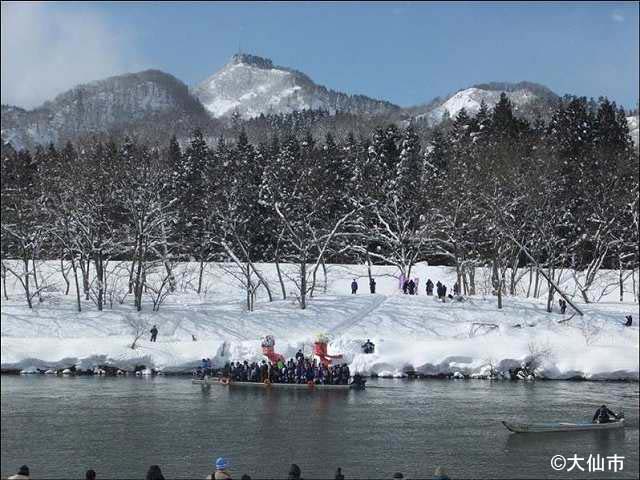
155 104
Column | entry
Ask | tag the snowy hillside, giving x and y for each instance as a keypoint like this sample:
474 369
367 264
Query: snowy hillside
253 85
633 128
416 332
529 100
135 103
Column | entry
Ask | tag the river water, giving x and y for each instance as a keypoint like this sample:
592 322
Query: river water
60 427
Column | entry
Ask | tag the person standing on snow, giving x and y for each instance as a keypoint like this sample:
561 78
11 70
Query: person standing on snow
411 286
372 285
154 333
429 287
354 287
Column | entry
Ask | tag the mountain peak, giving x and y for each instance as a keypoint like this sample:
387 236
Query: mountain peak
252 85
252 60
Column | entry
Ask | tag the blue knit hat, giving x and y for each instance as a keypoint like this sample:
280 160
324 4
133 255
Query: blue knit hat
221 463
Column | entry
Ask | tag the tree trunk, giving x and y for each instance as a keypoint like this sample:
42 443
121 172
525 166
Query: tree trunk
284 291
64 274
369 268
75 276
84 268
99 279
200 274
303 284
133 268
26 282
550 294
138 278
530 280
498 281
248 274
324 274
35 280
621 280
472 280
4 281
536 288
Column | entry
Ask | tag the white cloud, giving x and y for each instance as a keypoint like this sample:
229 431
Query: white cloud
617 17
45 51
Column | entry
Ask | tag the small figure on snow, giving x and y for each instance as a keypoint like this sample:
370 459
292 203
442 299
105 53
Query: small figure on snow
354 287
429 287
405 286
456 289
368 346
563 306
411 286
154 333
372 285
629 321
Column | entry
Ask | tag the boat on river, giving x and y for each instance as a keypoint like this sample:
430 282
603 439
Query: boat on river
292 386
562 426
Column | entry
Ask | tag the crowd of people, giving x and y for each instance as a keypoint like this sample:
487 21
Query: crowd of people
222 472
298 370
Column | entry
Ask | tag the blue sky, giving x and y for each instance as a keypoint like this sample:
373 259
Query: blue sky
404 52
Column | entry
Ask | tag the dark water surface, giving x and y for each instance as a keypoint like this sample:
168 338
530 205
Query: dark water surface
60 427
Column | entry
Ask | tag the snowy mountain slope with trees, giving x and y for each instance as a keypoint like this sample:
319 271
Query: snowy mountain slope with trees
251 85
410 332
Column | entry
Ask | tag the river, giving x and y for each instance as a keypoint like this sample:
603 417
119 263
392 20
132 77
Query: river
60 427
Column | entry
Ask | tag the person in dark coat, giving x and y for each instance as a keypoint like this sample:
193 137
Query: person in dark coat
603 415
23 474
154 333
372 285
294 472
90 475
354 287
456 289
439 289
299 356
429 287
405 287
339 475
411 287
563 306
368 346
444 292
154 473
629 321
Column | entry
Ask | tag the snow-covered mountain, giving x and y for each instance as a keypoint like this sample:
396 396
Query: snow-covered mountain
136 103
252 85
528 99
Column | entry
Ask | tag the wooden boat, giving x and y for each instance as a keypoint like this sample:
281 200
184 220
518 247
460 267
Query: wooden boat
299 386
562 426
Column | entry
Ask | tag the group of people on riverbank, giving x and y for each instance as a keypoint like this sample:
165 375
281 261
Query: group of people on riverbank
222 472
298 370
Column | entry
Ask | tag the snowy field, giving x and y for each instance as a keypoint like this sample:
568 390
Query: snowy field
410 332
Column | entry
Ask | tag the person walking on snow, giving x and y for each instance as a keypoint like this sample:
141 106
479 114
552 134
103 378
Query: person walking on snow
372 285
429 287
154 333
354 286
411 286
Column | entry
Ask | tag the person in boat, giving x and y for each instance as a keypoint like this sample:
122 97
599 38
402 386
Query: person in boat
603 415
358 381
368 346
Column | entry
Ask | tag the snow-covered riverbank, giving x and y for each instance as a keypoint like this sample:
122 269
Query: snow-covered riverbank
410 332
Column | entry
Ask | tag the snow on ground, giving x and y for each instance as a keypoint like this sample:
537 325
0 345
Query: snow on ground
410 332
